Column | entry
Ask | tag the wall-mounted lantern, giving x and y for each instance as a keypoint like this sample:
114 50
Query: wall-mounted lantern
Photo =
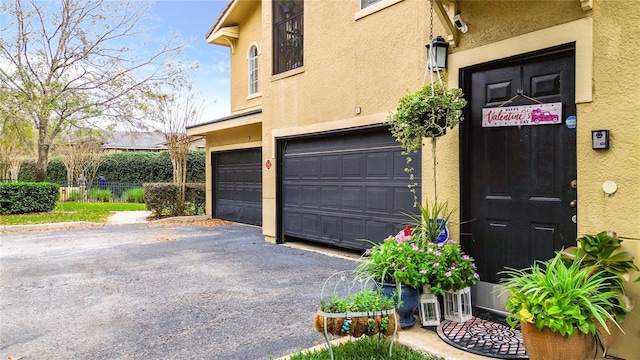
437 51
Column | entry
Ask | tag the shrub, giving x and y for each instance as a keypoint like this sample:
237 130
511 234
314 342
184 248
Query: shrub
26 197
195 197
159 197
133 195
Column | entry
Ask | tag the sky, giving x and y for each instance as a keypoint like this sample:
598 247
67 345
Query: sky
192 20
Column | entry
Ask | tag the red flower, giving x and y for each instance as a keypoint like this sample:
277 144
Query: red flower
407 231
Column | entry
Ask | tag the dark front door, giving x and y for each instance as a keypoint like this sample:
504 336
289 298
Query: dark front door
519 188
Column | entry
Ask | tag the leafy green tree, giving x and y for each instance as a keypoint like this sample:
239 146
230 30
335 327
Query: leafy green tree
78 64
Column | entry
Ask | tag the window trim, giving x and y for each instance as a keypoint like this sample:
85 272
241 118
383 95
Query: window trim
373 8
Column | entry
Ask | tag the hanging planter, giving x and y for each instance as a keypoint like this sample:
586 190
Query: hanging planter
427 112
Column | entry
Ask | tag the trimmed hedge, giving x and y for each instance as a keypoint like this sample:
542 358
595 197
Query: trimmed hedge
27 197
127 167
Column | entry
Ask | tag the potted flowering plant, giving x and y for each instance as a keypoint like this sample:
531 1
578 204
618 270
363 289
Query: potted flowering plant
395 264
448 268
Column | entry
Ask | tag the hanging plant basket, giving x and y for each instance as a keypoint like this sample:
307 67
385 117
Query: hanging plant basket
434 126
426 113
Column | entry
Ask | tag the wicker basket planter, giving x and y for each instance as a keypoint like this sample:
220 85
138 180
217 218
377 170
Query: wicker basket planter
548 345
357 324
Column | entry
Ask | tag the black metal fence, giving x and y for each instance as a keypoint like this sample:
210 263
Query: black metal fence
109 192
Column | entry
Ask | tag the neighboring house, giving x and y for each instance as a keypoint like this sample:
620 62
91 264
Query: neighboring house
306 153
119 141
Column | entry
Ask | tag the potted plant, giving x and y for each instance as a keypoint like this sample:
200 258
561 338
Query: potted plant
557 306
394 263
426 113
601 254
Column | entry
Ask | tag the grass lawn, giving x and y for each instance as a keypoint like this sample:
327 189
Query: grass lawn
370 348
71 211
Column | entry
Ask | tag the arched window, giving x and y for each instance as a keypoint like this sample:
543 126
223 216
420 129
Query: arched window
253 69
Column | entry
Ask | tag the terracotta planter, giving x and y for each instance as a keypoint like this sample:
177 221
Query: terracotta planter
605 338
548 345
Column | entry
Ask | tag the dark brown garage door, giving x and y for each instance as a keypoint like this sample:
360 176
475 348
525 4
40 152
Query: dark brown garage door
237 185
341 188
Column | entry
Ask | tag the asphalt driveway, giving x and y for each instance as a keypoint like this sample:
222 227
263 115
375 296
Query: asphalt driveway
157 292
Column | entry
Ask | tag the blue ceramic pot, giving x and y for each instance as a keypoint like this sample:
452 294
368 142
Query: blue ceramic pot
410 298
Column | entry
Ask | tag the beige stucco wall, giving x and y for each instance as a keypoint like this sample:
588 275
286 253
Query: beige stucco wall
250 34
370 61
616 107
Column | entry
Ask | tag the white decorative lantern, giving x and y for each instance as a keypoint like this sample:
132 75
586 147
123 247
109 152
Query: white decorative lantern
457 305
429 309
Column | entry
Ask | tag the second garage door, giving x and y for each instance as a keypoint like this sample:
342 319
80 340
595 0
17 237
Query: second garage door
237 185
342 188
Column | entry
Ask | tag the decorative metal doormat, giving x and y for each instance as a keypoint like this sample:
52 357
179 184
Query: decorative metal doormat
483 337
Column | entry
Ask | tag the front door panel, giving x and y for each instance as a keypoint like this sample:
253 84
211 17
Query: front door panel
518 186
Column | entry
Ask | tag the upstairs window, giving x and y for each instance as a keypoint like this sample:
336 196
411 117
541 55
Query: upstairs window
252 58
288 35
367 3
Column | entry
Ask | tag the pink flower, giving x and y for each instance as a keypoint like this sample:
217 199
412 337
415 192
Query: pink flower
475 275
438 253
440 244
466 257
404 268
448 274
423 271
436 264
368 252
473 265
415 247
393 264
453 268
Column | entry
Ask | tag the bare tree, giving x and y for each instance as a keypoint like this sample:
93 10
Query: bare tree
81 153
176 113
76 64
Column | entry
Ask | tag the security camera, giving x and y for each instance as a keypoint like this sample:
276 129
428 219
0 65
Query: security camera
460 24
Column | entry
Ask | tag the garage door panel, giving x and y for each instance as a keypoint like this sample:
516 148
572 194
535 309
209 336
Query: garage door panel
378 164
294 195
310 196
376 227
352 166
353 198
237 185
401 197
311 167
292 168
331 225
293 223
330 167
311 225
352 228
378 200
330 197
